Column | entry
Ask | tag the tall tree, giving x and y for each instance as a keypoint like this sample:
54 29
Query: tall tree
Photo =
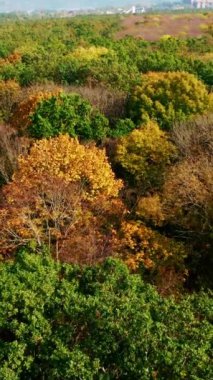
144 156
168 97
60 190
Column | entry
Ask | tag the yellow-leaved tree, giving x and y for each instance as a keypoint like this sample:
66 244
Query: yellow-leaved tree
63 195
89 53
160 259
168 97
144 155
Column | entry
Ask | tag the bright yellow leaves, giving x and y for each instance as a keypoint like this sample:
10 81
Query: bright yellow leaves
67 159
141 244
168 97
145 154
146 249
90 53
62 193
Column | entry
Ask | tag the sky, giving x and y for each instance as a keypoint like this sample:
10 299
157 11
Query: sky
10 5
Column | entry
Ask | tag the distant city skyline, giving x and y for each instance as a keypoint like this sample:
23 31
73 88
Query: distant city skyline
27 5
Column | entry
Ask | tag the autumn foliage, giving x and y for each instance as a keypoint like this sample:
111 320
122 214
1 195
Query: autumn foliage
144 155
158 257
60 196
139 100
11 59
21 116
9 96
168 97
106 197
187 195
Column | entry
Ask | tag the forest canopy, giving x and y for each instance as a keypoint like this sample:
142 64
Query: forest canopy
106 198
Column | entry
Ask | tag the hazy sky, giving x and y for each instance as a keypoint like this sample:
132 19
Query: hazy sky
8 5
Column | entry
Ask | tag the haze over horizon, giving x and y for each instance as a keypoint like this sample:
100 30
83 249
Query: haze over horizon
26 5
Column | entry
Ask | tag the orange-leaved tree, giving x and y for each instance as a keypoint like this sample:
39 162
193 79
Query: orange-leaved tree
161 259
11 59
9 95
20 118
188 197
63 195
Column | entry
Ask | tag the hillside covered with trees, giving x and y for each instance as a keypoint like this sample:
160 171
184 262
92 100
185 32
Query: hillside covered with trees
106 201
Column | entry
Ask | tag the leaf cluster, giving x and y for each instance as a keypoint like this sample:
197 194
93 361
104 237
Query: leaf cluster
59 321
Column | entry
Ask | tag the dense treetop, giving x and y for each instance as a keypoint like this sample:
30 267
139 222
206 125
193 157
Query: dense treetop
59 321
168 97
80 49
106 201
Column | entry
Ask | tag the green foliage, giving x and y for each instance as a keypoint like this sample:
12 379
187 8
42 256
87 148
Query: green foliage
122 127
204 71
171 44
114 71
4 49
68 114
168 97
71 71
199 45
48 49
163 61
62 322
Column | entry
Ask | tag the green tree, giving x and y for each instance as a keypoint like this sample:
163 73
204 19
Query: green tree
68 114
162 61
63 322
204 71
122 127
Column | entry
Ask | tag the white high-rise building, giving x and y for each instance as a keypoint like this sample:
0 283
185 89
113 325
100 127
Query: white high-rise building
202 4
135 10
